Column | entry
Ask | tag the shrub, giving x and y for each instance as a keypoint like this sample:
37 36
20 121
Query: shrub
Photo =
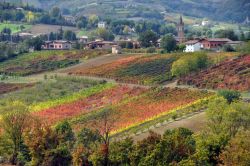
151 50
230 95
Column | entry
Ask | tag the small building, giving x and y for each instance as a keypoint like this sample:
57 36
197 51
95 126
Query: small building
100 44
213 43
192 46
83 39
69 19
101 24
57 45
116 49
25 35
205 23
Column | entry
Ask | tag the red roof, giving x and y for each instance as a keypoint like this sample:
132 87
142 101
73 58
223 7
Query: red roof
218 40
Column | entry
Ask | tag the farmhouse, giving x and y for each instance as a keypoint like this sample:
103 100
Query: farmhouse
116 49
57 45
192 46
213 43
83 39
100 44
102 24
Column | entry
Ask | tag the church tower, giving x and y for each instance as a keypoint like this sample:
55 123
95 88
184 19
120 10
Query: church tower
180 30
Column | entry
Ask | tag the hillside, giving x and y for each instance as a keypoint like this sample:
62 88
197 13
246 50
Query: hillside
221 10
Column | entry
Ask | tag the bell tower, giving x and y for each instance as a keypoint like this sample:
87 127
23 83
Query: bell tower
180 30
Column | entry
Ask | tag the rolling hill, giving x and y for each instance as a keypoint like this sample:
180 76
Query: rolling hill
221 10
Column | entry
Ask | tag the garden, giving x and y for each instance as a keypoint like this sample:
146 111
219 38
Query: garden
41 61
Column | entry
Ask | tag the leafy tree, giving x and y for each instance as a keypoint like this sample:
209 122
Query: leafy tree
168 43
148 38
55 12
120 152
230 95
69 35
36 43
14 122
47 146
189 63
229 33
105 34
6 31
224 122
228 48
237 152
175 145
144 148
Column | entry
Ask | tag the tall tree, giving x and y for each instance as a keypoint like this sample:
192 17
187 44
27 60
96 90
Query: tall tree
14 122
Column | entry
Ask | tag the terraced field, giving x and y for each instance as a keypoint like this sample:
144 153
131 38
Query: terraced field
146 70
41 61
83 102
231 74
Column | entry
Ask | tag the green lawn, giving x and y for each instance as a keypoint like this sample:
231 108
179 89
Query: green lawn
14 27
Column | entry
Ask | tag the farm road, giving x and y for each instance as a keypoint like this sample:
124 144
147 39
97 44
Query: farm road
195 123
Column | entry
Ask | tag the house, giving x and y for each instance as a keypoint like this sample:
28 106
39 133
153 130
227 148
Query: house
57 45
83 39
100 44
69 19
213 43
205 23
192 46
102 24
25 35
116 49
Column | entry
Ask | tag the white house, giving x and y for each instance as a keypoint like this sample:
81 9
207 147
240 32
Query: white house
83 39
192 46
102 24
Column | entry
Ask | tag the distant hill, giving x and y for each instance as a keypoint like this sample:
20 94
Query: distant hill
221 10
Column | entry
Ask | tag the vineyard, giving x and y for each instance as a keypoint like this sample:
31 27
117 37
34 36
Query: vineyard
8 87
147 70
83 102
41 61
231 74
136 110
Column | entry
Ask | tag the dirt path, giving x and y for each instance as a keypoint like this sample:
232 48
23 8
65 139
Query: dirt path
195 123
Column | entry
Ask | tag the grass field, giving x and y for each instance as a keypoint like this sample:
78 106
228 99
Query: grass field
14 27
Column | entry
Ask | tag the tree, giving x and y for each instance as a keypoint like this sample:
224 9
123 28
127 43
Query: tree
93 20
6 31
175 146
69 35
144 148
36 43
55 12
14 122
224 122
189 63
47 146
120 152
104 124
237 152
148 38
228 48
228 33
230 95
168 43
105 34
